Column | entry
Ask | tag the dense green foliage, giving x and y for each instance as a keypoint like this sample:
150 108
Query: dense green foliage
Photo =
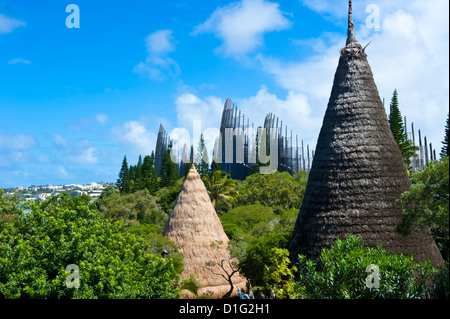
343 272
398 130
169 170
137 177
280 191
134 208
220 187
280 275
116 240
148 177
425 205
36 246
123 182
262 219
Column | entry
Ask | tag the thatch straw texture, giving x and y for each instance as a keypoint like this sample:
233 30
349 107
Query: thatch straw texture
358 172
194 226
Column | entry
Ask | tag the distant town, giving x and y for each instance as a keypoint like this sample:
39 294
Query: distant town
42 192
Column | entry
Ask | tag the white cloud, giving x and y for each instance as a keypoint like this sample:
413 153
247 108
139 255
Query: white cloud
241 25
195 116
8 24
193 108
62 172
160 42
18 61
16 142
44 158
101 118
294 110
13 148
409 52
135 137
58 140
157 64
82 153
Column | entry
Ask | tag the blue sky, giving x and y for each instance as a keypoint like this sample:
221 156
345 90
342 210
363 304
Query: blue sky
74 101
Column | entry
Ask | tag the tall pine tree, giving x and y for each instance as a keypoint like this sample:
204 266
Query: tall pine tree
123 182
169 170
398 130
201 158
395 120
139 183
149 174
444 150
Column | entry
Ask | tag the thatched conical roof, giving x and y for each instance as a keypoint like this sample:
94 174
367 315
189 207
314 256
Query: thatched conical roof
358 171
194 225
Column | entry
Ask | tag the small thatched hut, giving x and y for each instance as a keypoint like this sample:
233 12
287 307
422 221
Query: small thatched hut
194 226
358 171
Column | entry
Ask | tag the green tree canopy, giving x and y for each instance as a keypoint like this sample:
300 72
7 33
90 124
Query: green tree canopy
149 174
348 270
169 170
219 187
134 208
425 205
37 246
280 191
123 182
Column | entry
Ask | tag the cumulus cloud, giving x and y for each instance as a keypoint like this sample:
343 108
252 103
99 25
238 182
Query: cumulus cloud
16 142
409 52
8 24
158 65
135 137
59 141
191 108
241 25
294 110
101 118
18 61
14 148
83 154
62 172
80 153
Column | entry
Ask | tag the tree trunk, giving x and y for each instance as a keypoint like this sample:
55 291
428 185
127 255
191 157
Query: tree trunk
228 294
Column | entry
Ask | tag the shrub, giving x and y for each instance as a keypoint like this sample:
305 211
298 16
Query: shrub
342 273
36 247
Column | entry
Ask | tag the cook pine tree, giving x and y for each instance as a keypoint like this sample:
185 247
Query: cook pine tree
123 182
407 148
169 170
149 174
201 158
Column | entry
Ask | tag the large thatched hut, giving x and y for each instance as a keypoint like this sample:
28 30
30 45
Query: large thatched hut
194 225
358 171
